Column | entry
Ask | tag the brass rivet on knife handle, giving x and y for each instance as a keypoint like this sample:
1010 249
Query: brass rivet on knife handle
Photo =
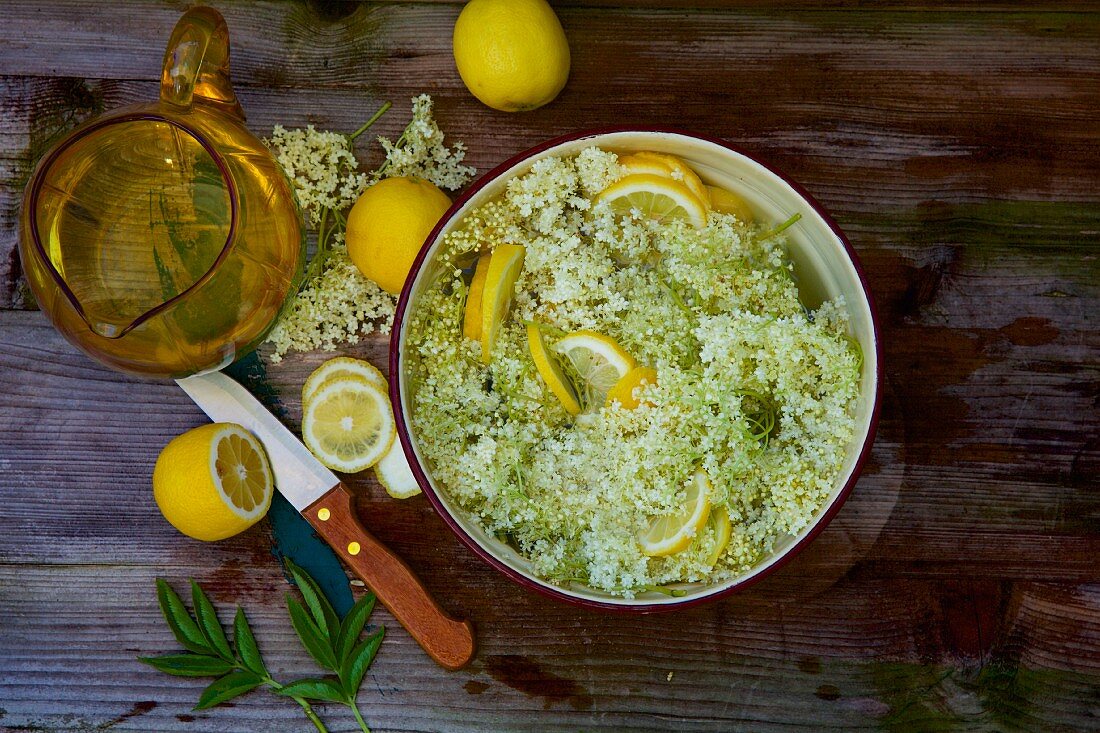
446 640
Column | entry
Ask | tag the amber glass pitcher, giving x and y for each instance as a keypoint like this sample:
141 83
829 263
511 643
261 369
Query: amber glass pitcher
163 238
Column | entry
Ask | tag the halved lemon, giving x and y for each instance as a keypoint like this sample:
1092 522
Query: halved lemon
471 318
722 529
213 482
668 534
341 366
657 197
393 472
550 370
348 424
663 164
727 202
505 265
623 391
599 362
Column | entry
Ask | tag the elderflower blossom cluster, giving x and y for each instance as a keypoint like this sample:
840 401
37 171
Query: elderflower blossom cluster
339 305
321 166
336 307
421 152
715 311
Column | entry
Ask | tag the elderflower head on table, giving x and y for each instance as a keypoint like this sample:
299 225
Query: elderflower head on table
336 304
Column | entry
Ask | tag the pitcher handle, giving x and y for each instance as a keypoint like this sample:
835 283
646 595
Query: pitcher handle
196 63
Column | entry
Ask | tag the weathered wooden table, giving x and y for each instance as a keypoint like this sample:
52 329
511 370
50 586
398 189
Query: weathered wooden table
959 589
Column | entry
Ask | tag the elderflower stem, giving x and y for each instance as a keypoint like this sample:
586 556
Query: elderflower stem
358 716
381 111
306 707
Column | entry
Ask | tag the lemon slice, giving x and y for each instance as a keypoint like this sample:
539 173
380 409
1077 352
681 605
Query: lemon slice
505 265
341 366
722 529
663 164
393 472
727 202
550 370
668 534
471 318
213 482
348 424
657 197
599 362
623 391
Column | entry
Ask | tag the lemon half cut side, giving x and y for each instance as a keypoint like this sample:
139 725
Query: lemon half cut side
213 482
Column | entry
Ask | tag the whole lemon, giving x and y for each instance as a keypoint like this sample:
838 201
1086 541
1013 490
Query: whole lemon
511 54
387 226
213 482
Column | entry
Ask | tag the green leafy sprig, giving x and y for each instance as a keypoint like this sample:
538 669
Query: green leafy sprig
239 668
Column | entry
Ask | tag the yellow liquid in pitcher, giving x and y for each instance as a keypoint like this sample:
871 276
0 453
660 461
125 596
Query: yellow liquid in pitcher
140 214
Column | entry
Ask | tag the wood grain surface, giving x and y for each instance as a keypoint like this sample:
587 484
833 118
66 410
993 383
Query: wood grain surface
958 146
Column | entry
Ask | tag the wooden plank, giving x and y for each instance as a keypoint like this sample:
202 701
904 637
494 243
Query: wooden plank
878 113
868 655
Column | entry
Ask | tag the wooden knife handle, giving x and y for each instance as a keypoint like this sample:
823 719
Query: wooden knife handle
446 640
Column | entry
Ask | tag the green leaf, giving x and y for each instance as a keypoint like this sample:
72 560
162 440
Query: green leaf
312 638
352 626
188 665
357 663
226 688
323 615
313 689
246 644
184 628
208 622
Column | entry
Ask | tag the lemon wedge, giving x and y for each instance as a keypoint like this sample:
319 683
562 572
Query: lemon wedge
550 370
623 391
668 534
348 424
393 472
471 318
722 529
663 164
213 482
341 366
657 197
727 202
505 265
598 360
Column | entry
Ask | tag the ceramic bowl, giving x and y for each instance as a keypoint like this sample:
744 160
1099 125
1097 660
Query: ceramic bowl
825 266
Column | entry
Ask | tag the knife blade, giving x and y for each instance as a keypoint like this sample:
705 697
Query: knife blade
299 476
329 507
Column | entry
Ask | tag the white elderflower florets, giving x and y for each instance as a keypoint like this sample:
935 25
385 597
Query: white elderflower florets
338 305
321 166
751 387
421 151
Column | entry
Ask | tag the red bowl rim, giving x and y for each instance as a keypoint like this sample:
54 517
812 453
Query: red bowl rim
547 589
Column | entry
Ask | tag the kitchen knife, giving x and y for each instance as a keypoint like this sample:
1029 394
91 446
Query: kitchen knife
327 504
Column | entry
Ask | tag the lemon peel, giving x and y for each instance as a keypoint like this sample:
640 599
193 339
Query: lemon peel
668 534
550 370
505 265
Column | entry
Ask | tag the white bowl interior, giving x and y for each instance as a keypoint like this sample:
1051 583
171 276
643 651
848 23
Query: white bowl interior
823 270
